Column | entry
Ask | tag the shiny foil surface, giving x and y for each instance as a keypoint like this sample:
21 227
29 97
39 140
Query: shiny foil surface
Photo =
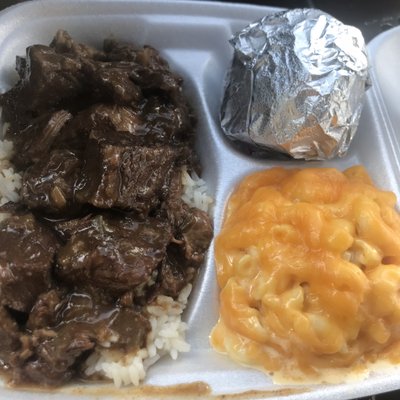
296 84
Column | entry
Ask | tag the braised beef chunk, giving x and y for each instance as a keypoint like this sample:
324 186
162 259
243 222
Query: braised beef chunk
27 250
117 51
63 43
34 141
101 139
50 82
150 58
165 122
101 117
48 185
172 206
172 277
66 228
65 330
131 327
155 122
192 227
131 177
115 254
111 81
102 323
44 311
9 335
157 81
196 233
54 358
51 79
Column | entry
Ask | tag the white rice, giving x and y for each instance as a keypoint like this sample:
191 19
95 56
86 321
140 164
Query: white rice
195 192
167 335
10 180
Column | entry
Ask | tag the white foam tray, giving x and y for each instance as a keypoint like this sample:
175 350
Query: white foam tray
193 36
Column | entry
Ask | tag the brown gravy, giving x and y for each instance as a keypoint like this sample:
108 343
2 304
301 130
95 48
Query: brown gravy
191 390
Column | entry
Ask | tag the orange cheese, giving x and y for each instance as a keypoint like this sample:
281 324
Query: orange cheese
308 263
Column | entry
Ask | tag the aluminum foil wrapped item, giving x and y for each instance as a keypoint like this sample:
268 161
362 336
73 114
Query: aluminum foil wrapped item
296 84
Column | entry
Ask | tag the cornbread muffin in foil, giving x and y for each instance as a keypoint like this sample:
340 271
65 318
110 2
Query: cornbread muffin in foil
296 85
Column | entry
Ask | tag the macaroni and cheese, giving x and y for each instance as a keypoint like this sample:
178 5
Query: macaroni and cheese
308 263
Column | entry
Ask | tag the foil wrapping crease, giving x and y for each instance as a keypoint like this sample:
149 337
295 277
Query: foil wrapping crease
296 84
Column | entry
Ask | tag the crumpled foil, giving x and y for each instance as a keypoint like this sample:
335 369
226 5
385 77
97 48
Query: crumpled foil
296 84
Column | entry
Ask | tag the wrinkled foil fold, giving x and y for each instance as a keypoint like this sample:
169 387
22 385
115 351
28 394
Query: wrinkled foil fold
296 84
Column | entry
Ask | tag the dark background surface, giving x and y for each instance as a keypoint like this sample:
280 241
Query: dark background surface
372 17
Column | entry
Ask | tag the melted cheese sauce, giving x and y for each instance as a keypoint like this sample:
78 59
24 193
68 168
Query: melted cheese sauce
308 263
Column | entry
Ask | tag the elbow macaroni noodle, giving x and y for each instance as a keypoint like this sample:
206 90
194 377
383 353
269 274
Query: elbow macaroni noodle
308 263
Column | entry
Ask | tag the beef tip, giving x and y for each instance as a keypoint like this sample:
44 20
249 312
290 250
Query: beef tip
173 274
115 117
49 184
35 140
150 58
66 228
193 230
111 82
131 177
54 355
101 139
118 118
82 325
147 68
63 43
196 232
124 327
157 80
185 253
192 227
52 80
152 74
76 306
173 208
99 117
117 51
13 110
147 56
26 253
132 328
9 336
155 122
165 123
115 254
43 313
172 277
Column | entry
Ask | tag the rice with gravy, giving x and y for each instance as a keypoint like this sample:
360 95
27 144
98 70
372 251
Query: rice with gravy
167 335
10 180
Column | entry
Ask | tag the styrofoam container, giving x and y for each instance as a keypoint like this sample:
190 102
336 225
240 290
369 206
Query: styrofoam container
193 36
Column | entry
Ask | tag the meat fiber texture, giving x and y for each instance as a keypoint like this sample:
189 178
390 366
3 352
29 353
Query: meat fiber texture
99 252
